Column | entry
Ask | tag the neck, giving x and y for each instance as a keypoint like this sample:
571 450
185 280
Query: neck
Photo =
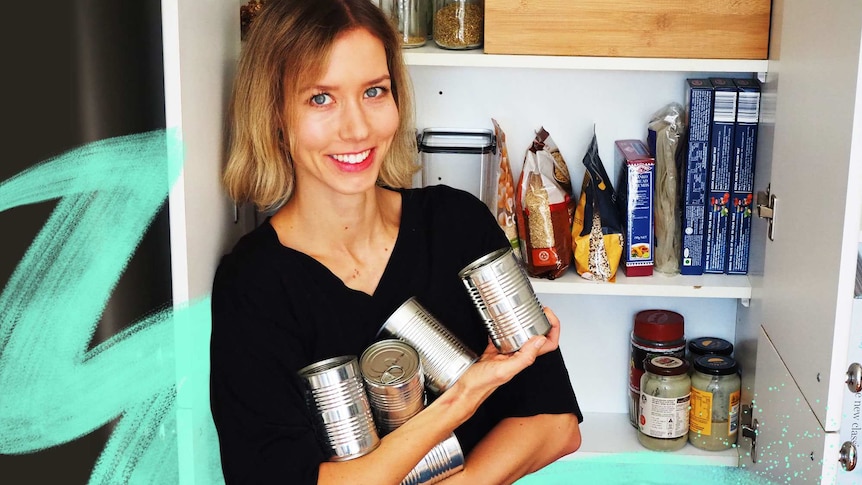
338 222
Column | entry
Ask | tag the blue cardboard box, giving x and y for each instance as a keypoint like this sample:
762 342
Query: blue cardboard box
694 190
742 180
720 168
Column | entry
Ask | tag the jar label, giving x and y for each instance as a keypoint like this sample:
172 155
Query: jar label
733 418
662 417
701 412
640 353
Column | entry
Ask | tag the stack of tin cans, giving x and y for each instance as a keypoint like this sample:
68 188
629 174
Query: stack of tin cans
357 401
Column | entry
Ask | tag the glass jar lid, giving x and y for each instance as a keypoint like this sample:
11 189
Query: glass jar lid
710 345
659 325
716 365
665 365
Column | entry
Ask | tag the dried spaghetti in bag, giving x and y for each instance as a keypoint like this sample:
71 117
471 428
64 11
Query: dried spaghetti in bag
666 129
544 223
597 237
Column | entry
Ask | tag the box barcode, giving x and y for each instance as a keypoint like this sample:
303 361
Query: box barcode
749 105
725 107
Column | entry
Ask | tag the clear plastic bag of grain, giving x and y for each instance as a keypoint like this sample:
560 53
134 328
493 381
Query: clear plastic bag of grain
597 229
543 213
499 191
666 129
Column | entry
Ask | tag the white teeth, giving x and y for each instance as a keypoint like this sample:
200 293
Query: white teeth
353 158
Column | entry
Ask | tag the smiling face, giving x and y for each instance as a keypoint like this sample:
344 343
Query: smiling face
343 123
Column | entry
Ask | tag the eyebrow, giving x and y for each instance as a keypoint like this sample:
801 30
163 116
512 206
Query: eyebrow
325 88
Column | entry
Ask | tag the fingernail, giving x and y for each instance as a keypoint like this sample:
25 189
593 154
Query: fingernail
540 342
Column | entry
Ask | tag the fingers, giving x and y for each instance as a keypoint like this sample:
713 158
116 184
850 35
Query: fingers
553 335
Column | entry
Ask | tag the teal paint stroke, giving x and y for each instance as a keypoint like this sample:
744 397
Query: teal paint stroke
54 390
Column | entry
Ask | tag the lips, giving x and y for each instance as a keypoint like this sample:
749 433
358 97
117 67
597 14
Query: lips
352 158
353 162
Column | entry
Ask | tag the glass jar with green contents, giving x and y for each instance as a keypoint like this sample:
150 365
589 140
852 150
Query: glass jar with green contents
665 391
714 419
459 24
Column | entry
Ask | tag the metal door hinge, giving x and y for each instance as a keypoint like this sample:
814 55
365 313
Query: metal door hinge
748 426
847 456
854 377
766 209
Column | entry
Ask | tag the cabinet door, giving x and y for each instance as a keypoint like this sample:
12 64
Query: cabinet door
201 45
810 149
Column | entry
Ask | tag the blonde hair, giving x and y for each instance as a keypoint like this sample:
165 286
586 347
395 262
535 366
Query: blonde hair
290 39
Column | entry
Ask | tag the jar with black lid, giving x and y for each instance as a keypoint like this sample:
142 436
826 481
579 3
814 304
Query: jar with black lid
707 346
664 404
715 388
459 24
655 332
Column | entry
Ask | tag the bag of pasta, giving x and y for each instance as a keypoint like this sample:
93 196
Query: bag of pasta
666 129
597 235
543 206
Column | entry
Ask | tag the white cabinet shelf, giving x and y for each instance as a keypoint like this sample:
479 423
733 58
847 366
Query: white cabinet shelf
431 55
705 286
605 434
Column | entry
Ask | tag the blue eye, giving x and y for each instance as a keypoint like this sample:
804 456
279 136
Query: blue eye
375 92
320 99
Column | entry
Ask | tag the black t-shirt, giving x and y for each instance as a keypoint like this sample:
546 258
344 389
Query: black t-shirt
276 310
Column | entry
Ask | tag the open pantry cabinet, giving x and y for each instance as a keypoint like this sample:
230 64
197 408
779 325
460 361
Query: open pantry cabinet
790 319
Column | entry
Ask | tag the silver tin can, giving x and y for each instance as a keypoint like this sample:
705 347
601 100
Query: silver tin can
443 461
394 383
335 392
504 296
444 358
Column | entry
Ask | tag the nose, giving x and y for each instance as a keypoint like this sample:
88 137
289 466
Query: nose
354 121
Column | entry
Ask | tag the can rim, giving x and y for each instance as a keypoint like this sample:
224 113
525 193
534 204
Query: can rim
484 261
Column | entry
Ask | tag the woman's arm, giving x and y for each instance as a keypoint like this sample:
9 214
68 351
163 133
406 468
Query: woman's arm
521 445
518 446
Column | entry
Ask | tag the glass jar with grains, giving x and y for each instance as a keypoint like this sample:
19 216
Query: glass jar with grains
714 417
459 24
410 17
663 410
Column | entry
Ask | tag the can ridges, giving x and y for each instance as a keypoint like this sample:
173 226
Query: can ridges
335 393
442 356
504 297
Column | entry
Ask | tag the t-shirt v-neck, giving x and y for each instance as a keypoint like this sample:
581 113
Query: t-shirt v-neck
397 256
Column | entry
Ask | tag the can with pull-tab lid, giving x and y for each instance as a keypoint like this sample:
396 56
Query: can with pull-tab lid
394 383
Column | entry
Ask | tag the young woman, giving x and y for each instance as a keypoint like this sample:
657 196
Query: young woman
321 130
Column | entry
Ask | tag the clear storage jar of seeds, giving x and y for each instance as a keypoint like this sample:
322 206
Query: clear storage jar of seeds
410 17
459 24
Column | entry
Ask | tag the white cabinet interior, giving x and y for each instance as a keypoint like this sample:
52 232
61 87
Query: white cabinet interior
571 97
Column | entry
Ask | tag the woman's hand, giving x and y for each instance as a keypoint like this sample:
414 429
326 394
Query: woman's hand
553 337
494 369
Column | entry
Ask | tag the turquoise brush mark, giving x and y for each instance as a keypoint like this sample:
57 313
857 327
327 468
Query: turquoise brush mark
53 390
